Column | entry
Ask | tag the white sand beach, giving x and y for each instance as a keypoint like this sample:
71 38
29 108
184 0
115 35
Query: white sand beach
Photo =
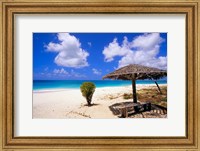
69 103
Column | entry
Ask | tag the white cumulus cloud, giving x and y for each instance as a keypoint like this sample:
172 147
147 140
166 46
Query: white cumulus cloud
97 72
63 73
147 41
70 53
114 49
60 71
143 50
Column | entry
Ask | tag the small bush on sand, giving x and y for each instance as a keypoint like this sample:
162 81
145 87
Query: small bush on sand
127 96
164 99
87 90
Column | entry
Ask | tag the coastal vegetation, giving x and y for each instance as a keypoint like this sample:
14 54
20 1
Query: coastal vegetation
87 90
152 95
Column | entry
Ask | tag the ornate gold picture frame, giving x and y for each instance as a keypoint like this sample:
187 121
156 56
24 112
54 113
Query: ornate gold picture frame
7 42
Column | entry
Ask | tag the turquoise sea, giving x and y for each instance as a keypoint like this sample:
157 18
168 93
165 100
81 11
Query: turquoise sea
75 84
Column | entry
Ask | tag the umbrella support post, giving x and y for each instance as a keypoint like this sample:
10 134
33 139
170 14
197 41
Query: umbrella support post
158 87
134 88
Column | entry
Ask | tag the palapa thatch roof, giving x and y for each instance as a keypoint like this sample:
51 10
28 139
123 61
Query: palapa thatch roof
142 72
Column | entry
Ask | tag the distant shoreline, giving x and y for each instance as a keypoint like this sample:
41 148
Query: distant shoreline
106 87
75 84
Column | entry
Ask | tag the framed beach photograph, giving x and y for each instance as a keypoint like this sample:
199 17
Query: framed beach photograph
95 75
68 79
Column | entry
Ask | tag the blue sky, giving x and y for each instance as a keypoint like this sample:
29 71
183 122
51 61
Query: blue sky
90 56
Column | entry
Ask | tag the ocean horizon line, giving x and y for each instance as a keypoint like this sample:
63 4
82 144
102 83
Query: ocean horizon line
75 84
71 89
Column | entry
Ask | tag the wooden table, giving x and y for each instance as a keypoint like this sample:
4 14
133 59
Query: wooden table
136 107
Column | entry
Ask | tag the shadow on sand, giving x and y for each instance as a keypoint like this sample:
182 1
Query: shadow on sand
93 104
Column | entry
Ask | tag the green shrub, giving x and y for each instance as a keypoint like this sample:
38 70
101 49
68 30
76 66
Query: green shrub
164 99
87 90
127 96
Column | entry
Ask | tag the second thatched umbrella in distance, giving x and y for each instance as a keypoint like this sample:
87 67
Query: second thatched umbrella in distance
135 72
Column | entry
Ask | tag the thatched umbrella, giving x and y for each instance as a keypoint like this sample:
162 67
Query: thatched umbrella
134 72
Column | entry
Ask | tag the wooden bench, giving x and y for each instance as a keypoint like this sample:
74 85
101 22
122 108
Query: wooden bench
136 107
